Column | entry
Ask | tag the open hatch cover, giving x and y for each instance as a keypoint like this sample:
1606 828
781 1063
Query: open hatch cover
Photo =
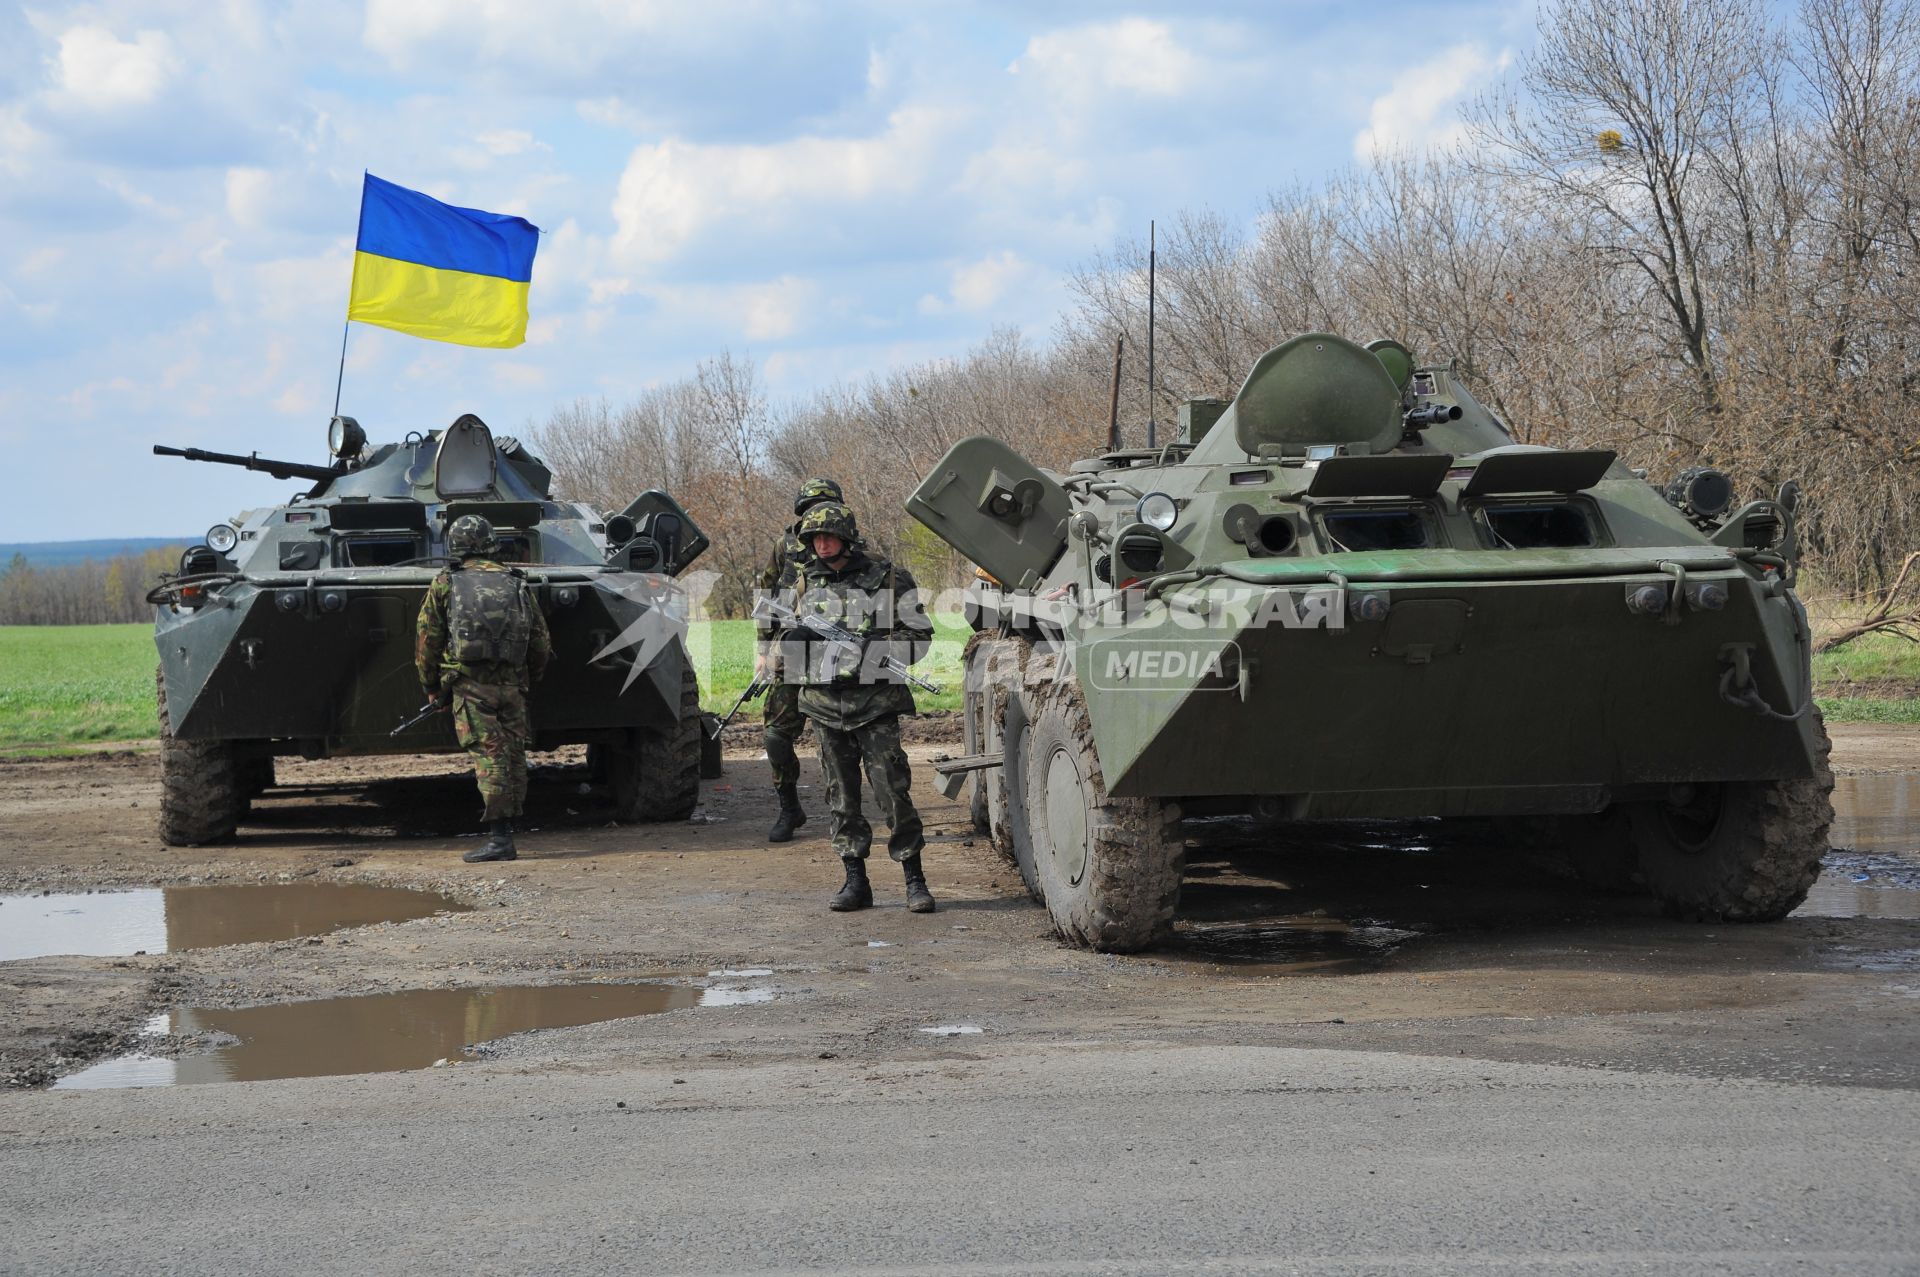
1538 472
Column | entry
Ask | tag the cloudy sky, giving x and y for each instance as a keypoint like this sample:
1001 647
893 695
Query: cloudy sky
831 187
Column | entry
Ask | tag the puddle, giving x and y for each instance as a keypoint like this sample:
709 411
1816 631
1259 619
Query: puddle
114 924
742 973
1877 813
1294 946
381 1033
1873 870
734 997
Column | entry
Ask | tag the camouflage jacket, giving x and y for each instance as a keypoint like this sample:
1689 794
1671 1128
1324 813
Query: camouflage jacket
789 558
881 604
430 656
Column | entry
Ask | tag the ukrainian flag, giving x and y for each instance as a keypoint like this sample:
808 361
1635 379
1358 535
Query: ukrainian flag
438 271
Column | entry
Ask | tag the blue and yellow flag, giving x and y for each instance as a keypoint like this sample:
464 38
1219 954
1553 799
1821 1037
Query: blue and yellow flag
441 272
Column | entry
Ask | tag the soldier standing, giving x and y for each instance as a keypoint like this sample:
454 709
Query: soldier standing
783 721
480 636
855 707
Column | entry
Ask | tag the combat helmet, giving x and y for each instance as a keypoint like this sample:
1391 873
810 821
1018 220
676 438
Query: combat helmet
470 535
813 492
829 517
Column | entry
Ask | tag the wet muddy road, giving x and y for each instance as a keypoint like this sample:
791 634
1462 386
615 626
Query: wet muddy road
1369 1049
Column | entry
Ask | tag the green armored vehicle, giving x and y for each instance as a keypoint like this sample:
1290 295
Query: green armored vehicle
1349 593
290 630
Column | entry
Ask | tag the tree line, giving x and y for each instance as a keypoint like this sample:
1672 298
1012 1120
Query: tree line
1688 231
96 592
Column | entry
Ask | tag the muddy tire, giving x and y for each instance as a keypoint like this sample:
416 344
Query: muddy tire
203 784
973 731
1109 868
1745 851
1003 728
658 777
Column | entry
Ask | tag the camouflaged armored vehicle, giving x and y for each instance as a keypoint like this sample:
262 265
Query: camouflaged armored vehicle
1349 593
290 629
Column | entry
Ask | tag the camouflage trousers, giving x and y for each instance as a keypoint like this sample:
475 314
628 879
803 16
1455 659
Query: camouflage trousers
876 746
784 726
490 721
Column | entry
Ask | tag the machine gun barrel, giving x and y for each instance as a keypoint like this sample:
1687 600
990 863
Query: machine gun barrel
772 610
253 461
1431 415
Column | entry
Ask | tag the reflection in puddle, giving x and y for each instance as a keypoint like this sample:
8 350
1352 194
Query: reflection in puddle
1839 895
381 1033
1294 946
734 997
1877 813
112 924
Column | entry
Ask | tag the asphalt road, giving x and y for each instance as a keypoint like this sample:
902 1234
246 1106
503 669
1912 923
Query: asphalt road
1072 1159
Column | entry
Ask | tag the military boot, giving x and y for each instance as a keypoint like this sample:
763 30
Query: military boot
856 892
919 899
791 815
498 846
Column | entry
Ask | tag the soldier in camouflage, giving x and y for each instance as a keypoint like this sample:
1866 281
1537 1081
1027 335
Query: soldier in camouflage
479 639
855 707
783 721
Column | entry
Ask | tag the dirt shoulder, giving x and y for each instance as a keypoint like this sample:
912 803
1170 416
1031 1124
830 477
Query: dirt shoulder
1282 941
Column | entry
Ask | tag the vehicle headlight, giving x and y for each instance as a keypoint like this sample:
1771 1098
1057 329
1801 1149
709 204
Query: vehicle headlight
345 438
1158 511
221 538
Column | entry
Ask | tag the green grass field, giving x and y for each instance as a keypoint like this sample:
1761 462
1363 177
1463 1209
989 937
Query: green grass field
70 685
66 686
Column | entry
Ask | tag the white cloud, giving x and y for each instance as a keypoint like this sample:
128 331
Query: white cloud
674 189
977 286
1420 111
1134 55
249 191
767 311
508 142
99 72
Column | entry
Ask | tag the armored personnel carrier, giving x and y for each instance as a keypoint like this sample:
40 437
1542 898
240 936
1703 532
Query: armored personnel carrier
1349 593
290 629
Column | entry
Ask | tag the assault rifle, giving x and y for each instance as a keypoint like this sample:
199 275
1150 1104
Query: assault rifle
755 689
426 711
844 647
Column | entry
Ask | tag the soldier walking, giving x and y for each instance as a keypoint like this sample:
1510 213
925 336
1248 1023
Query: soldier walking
479 639
855 707
783 721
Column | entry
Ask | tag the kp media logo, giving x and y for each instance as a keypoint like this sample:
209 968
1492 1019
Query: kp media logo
1160 664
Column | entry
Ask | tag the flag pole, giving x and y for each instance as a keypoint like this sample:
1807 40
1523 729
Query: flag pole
345 328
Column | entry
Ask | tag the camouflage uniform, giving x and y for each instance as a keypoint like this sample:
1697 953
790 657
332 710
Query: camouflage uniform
856 711
467 646
783 721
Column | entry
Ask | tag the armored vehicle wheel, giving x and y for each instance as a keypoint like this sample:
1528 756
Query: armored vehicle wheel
658 778
1108 868
973 733
1003 719
203 785
1743 851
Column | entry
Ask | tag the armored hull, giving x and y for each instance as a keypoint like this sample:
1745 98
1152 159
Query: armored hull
291 630
1355 596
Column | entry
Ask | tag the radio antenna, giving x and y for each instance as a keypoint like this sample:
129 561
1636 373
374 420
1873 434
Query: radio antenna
1113 405
1152 254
